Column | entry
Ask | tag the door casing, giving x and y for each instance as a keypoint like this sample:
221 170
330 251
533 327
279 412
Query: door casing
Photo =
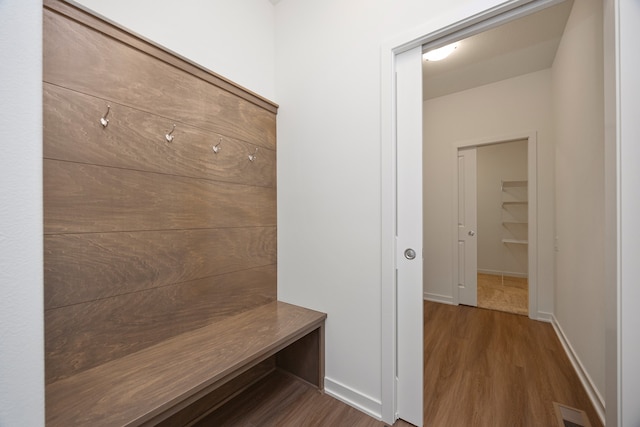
532 176
428 38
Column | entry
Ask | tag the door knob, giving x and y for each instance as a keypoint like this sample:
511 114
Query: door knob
472 233
409 254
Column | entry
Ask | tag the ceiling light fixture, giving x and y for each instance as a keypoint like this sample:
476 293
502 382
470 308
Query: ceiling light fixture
440 53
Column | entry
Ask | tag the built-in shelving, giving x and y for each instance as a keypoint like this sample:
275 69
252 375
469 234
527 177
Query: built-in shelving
511 184
514 202
516 241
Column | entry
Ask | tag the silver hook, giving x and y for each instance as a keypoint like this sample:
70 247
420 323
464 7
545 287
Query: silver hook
103 120
216 148
253 156
168 136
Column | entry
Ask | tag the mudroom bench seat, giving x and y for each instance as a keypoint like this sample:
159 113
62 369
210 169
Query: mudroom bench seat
154 384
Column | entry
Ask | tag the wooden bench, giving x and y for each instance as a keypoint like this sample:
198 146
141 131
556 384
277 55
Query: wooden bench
154 384
160 256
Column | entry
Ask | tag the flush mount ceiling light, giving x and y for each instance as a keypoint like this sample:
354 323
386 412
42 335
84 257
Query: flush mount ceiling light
440 53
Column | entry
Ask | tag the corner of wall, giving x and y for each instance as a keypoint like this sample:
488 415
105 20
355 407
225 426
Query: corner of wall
21 292
588 384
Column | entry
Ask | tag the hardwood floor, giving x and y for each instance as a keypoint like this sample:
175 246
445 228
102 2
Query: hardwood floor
283 401
503 293
482 368
488 368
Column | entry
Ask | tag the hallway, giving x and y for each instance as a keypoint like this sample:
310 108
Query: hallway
489 368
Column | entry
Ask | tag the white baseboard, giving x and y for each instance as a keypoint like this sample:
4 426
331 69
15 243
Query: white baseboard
444 299
351 397
545 317
505 273
585 379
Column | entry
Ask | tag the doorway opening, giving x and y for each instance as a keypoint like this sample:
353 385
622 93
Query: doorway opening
489 94
524 101
495 227
478 124
493 218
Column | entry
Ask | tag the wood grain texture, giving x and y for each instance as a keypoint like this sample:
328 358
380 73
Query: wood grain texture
305 358
503 293
135 139
488 368
86 198
482 368
220 396
78 12
80 58
85 267
160 274
82 336
282 401
145 387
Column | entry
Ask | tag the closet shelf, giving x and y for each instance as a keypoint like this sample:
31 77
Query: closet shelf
508 184
514 202
515 241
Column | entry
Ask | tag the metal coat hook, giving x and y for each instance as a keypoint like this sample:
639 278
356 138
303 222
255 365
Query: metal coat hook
253 156
216 148
103 120
169 136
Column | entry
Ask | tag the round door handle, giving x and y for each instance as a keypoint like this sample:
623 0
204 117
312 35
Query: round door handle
472 233
409 254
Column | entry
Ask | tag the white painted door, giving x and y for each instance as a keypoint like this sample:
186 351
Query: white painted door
467 228
409 237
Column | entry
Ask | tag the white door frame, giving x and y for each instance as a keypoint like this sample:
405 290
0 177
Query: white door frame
532 176
430 35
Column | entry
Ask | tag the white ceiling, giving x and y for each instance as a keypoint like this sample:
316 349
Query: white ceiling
518 47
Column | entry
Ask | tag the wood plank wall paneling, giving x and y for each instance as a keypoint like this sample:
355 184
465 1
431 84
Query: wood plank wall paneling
83 336
90 62
85 267
72 123
83 15
146 239
80 198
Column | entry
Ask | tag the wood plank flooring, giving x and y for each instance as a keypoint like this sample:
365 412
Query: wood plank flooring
284 401
488 368
482 368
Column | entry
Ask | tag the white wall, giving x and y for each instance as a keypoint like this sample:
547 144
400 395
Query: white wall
229 37
508 107
579 113
328 84
21 294
496 163
329 155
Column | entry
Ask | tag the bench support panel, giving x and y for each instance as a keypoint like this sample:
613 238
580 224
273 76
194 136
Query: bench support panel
220 396
305 358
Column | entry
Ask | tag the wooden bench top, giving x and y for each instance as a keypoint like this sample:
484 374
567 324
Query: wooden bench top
135 389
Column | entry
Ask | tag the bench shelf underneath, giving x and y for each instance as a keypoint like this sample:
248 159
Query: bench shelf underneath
151 385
